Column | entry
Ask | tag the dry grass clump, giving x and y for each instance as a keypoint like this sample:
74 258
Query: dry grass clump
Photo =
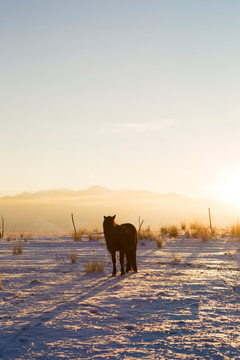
17 249
78 235
90 234
94 266
171 230
183 226
1 284
205 234
198 230
147 234
95 234
234 230
163 230
224 233
27 237
176 258
160 242
194 229
73 257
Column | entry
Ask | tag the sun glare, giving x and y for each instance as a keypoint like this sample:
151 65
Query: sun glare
228 190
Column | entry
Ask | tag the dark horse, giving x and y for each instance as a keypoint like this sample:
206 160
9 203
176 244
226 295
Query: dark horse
122 238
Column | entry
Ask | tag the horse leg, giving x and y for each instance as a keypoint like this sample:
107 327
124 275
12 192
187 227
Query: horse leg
134 260
128 256
114 261
122 262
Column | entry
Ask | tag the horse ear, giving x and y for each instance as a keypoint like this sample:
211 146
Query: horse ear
114 217
105 217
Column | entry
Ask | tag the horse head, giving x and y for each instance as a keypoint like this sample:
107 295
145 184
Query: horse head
109 222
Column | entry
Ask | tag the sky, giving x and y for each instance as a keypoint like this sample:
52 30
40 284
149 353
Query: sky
127 94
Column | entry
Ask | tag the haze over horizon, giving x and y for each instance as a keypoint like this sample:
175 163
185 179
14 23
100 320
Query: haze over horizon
124 94
50 210
99 189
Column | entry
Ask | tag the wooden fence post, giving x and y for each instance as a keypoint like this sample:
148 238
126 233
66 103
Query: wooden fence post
139 225
74 227
2 229
210 220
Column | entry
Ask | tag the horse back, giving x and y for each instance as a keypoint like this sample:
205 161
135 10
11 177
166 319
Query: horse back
130 233
128 229
123 238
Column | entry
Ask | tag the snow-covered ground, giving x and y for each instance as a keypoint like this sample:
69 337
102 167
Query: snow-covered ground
184 303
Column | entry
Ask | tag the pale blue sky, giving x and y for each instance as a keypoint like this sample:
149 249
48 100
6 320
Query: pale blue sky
125 94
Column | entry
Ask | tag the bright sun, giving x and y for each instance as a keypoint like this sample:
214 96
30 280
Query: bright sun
228 190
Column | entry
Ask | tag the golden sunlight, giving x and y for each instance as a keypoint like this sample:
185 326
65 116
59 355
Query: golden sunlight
228 190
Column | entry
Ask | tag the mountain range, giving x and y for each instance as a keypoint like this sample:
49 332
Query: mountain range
51 210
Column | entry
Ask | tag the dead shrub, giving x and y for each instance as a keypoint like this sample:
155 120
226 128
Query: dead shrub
77 235
73 257
172 231
176 258
17 249
163 230
87 234
95 234
147 234
94 266
234 230
194 228
160 242
224 233
183 226
201 231
27 237
205 234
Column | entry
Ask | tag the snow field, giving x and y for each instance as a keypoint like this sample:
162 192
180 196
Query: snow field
182 304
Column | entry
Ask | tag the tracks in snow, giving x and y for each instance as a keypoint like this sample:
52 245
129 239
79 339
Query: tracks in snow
95 287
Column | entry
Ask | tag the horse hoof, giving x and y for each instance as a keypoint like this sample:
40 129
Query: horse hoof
113 274
122 273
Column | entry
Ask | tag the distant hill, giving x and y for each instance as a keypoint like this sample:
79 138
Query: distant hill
91 191
50 210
